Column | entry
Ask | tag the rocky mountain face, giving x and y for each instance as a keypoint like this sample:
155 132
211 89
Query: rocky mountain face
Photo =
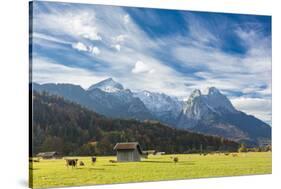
199 107
208 113
213 113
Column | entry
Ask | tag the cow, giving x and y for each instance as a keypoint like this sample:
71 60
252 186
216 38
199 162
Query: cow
112 161
71 162
81 163
176 159
94 159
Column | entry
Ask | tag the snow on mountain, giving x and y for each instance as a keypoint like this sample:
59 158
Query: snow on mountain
165 108
117 101
113 88
108 85
159 102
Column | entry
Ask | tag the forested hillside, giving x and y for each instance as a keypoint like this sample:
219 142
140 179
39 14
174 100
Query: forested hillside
66 127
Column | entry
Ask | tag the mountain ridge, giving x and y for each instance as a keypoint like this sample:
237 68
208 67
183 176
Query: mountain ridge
207 113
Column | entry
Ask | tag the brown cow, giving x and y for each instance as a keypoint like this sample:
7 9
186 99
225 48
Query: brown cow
81 163
71 162
94 159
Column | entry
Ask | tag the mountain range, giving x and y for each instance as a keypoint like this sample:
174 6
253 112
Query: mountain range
67 127
211 113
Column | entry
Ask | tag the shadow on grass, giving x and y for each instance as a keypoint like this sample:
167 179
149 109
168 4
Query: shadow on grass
112 165
92 168
186 163
156 161
171 162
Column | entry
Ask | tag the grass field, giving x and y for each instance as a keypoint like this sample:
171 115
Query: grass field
54 173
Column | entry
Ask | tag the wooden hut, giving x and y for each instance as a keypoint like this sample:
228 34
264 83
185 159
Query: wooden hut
129 151
48 155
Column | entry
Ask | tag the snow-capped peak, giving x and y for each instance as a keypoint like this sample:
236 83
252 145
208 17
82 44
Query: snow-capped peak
107 85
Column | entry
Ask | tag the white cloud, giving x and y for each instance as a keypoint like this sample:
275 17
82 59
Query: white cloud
79 24
141 67
126 19
117 41
117 47
119 38
80 46
95 50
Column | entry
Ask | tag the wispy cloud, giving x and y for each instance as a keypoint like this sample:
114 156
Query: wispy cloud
80 46
46 70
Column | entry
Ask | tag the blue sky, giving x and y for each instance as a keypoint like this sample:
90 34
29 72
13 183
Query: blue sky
167 51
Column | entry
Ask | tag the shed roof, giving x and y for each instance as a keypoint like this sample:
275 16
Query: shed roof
47 154
128 146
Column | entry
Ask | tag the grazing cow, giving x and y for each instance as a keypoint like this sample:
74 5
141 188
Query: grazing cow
176 159
81 163
71 162
226 154
112 161
94 159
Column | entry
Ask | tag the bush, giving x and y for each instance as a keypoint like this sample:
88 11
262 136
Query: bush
242 148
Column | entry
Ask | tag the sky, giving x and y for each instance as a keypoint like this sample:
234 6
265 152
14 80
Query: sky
167 51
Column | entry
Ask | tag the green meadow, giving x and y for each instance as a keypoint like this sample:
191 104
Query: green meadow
54 173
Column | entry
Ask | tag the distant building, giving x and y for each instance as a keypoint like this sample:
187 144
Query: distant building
129 151
149 152
48 155
160 153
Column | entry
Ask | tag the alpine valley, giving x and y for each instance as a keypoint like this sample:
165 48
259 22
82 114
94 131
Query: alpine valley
210 113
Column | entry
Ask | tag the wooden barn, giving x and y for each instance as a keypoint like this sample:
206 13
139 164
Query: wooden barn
48 155
129 151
